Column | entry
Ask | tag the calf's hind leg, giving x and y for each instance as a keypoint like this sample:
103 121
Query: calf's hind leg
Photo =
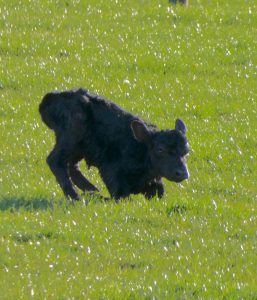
78 178
58 163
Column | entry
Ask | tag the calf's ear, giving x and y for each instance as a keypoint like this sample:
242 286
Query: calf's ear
180 126
140 131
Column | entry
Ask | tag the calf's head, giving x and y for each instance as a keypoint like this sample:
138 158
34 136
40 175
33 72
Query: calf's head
167 149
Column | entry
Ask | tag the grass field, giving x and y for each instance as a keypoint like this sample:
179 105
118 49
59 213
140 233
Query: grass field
160 62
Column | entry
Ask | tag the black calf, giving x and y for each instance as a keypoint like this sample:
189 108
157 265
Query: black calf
131 155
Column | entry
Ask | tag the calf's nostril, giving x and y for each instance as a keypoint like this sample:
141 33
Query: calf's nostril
179 173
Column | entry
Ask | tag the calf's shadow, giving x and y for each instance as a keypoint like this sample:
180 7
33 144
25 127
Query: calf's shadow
30 204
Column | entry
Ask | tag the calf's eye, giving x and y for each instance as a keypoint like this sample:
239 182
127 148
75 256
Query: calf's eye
159 150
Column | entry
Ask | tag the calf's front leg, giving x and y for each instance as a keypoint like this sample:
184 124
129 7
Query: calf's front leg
152 189
115 182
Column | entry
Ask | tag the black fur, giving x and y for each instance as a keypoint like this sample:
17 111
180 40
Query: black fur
185 2
131 155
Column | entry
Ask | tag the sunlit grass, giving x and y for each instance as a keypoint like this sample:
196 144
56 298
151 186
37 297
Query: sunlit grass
159 62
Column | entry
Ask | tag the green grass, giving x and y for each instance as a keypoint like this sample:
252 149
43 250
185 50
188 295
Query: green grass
159 62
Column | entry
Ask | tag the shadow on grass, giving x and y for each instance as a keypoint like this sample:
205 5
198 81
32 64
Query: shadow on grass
176 209
12 203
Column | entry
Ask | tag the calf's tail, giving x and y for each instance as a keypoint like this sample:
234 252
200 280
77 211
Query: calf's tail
50 112
59 110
